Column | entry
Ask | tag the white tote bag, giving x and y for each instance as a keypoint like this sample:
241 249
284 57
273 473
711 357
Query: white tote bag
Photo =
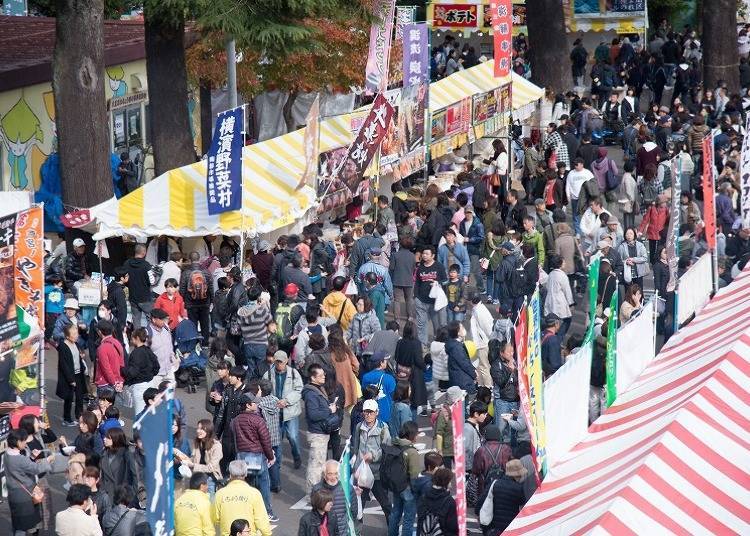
438 294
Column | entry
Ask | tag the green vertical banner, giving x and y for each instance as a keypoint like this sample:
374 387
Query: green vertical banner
611 362
593 292
345 477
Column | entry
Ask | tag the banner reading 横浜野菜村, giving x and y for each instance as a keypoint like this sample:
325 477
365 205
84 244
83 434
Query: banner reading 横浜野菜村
224 163
376 71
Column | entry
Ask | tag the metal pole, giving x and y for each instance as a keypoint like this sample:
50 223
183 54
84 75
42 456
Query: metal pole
232 73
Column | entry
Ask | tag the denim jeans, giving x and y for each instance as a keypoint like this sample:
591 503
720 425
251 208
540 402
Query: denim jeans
403 503
426 312
576 217
275 470
490 284
453 315
290 429
262 480
504 406
254 353
476 271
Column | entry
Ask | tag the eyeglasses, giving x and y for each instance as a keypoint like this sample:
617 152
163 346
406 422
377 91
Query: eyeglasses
368 411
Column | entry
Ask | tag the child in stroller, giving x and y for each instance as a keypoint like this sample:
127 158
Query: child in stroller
191 354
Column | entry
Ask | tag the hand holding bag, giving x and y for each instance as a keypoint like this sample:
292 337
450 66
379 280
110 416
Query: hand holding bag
438 294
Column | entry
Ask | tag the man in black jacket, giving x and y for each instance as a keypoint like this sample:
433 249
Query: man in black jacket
513 212
118 300
551 345
196 289
80 264
587 151
139 284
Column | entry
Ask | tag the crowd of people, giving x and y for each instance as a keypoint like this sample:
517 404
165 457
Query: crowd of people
394 318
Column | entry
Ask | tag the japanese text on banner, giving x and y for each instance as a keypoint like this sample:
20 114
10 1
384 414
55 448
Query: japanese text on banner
522 343
28 259
224 163
745 179
674 227
611 363
459 463
416 50
502 35
536 392
364 146
8 325
709 192
376 71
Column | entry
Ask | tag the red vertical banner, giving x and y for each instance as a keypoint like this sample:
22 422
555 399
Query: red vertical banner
502 34
709 192
459 463
522 355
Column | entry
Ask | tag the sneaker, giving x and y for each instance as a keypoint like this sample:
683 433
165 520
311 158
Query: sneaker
275 490
424 413
297 464
273 518
495 302
69 423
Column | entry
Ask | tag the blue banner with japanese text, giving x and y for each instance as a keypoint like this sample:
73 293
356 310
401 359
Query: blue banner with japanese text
224 163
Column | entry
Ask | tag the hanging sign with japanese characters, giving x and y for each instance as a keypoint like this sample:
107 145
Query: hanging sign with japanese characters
455 15
502 34
404 16
368 139
224 177
8 325
416 50
376 70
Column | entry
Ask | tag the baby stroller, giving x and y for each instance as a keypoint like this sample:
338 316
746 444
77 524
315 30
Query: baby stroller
191 355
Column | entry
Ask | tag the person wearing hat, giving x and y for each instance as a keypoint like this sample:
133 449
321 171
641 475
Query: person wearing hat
472 229
375 265
507 495
262 263
253 443
663 132
613 230
444 427
71 315
80 264
542 213
368 439
551 345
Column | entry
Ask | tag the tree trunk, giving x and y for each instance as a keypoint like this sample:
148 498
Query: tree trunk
548 45
287 111
80 106
207 116
167 93
720 54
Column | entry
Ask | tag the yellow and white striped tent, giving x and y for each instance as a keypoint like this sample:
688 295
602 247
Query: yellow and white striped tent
174 203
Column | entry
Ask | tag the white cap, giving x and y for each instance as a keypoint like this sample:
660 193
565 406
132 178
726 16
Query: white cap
370 405
78 242
71 303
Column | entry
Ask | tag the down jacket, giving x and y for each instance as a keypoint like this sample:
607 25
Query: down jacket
460 370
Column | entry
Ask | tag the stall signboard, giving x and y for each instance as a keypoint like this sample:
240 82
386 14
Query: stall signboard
411 127
455 16
224 163
8 324
502 36
416 61
458 117
438 125
519 17
626 6
481 113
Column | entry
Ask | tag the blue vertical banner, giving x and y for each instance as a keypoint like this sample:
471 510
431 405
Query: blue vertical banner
224 176
156 434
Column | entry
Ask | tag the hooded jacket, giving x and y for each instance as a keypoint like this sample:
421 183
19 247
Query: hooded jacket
119 302
439 502
647 154
566 246
139 282
340 308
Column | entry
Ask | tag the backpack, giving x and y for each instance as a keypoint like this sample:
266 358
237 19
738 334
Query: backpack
667 181
518 280
284 327
495 471
649 193
394 473
611 179
432 523
197 287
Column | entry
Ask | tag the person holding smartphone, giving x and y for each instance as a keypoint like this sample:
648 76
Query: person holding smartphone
80 517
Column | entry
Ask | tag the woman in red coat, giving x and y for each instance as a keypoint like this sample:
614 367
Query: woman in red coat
654 225
172 303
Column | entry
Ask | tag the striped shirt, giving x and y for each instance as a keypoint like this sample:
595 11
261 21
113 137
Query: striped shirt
254 320
271 414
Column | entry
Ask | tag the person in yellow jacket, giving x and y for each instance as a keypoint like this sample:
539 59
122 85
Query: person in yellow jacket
337 305
238 500
192 511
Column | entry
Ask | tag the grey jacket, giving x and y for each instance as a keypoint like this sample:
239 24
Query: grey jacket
21 471
371 441
402 268
123 520
291 392
641 258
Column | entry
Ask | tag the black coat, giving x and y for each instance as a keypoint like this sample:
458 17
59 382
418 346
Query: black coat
117 468
116 296
460 370
507 500
409 354
66 373
438 501
142 366
309 525
138 281
505 380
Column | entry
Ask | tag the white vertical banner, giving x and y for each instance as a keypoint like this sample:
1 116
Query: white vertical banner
745 179
566 404
635 345
695 288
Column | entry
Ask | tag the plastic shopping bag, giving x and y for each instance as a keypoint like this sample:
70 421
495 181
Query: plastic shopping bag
363 475
438 294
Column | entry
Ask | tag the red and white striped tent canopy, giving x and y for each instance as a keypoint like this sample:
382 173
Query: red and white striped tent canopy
672 455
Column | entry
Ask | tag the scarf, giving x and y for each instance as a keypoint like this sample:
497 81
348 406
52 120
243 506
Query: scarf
323 530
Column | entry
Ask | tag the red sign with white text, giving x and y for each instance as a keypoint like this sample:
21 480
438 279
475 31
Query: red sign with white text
455 15
502 34
709 193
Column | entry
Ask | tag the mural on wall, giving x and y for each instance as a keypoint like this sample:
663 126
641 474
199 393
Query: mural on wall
117 84
21 131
